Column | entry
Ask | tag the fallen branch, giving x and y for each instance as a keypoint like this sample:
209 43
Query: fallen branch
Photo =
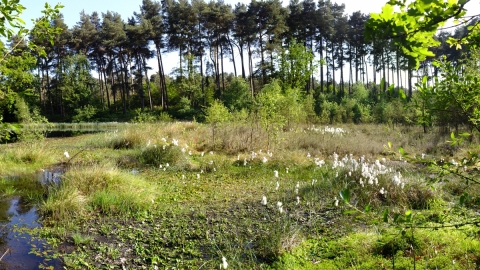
4 254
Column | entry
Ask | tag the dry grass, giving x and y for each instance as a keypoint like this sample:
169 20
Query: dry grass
366 139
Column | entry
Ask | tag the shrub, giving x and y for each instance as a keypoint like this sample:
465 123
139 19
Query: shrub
84 114
161 155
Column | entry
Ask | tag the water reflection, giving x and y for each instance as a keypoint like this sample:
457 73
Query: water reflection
51 176
16 246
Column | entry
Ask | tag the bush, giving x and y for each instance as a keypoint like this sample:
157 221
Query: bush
84 114
161 155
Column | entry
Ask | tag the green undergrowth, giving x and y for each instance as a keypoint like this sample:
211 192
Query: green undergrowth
390 249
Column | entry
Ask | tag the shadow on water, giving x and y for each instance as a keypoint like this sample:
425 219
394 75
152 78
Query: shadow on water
55 130
15 247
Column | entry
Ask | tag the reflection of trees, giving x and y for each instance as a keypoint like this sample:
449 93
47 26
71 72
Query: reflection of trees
22 206
3 236
4 218
4 206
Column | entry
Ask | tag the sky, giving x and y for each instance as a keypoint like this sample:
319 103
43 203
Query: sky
72 8
126 8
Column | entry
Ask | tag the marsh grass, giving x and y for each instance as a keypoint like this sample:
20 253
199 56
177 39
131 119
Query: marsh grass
107 190
24 158
372 250
64 202
81 239
204 206
163 155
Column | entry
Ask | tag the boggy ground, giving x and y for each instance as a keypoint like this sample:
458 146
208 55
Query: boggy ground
167 196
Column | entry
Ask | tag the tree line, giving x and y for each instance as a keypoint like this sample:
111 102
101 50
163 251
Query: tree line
310 41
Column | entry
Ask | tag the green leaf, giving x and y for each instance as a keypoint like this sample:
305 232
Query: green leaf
389 145
345 195
424 80
402 94
385 215
408 216
397 218
463 198
401 151
387 12
367 208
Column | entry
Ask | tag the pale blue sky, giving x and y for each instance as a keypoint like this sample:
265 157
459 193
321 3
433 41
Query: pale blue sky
73 8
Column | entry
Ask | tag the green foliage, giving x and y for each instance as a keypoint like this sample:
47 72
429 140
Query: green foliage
76 85
184 108
16 77
217 114
360 93
295 64
237 96
10 13
269 107
291 107
150 116
453 99
144 116
84 114
412 26
365 250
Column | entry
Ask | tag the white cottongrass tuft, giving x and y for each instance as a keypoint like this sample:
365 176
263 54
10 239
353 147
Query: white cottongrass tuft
264 200
298 200
224 264
277 186
280 207
336 202
275 173
66 154
175 142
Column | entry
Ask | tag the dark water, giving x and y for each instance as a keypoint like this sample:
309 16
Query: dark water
55 130
15 246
